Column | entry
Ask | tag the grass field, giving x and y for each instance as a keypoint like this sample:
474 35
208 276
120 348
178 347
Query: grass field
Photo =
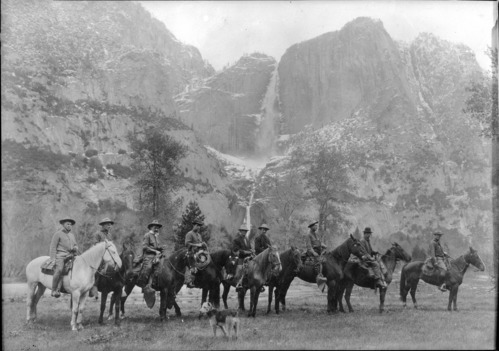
305 325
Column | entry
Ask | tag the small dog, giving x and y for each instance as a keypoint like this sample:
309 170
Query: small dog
222 319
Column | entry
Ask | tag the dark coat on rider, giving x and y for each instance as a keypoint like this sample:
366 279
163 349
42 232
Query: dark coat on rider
193 238
149 242
436 249
241 244
366 244
313 243
262 242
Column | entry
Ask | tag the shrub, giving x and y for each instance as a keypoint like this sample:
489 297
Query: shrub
91 152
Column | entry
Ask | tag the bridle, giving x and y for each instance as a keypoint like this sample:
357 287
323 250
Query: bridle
274 261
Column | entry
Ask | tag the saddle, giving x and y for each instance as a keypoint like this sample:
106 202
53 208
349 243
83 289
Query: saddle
47 267
430 269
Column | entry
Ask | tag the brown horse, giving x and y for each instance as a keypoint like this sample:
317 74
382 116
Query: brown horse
413 271
261 269
355 274
114 281
169 278
291 264
332 269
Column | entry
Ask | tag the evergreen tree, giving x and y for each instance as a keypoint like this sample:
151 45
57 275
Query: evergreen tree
192 213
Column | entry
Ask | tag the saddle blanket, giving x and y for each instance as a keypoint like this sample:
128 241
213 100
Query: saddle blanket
47 267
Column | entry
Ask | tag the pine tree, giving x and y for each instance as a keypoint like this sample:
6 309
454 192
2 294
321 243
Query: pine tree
191 213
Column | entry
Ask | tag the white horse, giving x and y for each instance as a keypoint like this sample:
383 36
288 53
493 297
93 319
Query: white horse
78 282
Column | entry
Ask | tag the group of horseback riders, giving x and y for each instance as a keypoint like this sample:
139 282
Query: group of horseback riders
63 247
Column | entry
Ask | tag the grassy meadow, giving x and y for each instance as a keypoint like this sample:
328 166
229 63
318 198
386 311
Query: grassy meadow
305 324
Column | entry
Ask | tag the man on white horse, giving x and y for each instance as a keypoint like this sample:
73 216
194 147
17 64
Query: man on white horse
102 235
62 245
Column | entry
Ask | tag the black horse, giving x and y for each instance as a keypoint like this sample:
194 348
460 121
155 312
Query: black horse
355 274
291 264
332 269
168 279
413 271
223 260
113 281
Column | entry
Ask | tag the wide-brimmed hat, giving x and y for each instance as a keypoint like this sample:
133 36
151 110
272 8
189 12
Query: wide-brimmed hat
264 226
438 233
243 227
368 230
312 224
67 219
155 222
106 220
198 222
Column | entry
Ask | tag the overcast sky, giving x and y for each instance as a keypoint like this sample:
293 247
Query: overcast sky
223 31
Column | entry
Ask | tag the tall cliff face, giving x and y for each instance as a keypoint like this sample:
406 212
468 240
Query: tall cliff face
328 78
226 109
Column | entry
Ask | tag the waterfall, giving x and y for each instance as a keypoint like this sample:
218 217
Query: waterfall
248 211
267 134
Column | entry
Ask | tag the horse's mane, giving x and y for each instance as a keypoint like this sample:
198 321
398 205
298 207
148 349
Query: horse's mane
341 251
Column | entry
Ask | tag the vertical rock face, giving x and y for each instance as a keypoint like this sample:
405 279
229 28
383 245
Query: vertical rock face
328 78
225 109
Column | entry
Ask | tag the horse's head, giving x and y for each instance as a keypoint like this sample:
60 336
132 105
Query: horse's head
355 248
473 259
296 259
111 256
400 253
127 256
231 264
274 260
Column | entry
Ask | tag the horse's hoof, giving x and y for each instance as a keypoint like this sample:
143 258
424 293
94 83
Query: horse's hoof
110 317
123 316
101 322
80 327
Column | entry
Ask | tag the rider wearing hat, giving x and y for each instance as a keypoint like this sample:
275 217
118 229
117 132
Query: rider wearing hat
242 248
439 257
315 248
193 242
101 235
150 249
262 241
372 260
62 246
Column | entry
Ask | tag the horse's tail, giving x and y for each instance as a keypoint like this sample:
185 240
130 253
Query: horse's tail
402 282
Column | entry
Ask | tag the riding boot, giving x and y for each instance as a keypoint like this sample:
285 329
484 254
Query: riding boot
443 287
320 279
239 286
56 280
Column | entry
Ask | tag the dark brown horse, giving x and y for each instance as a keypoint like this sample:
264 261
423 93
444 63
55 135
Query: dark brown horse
169 278
113 281
291 264
261 269
413 271
355 274
222 259
332 269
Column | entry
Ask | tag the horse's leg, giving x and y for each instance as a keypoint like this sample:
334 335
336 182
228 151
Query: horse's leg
277 298
331 297
339 295
35 291
216 294
252 294
382 294
271 290
162 306
348 293
128 290
414 286
455 298
117 297
204 294
225 293
103 301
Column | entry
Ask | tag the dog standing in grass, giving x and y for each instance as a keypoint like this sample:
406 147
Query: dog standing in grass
225 319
